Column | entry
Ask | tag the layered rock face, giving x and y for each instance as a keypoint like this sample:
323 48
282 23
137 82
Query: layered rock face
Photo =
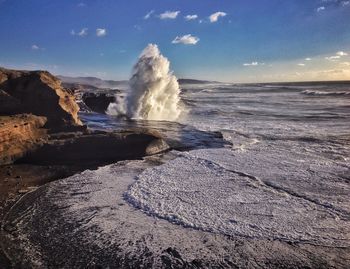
39 93
94 148
20 134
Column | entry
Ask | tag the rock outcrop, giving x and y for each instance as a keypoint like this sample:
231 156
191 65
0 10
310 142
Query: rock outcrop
39 93
95 148
98 102
20 134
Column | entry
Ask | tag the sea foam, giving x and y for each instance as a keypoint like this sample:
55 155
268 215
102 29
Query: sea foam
154 90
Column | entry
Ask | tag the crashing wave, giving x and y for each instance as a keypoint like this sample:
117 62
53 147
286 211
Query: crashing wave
154 92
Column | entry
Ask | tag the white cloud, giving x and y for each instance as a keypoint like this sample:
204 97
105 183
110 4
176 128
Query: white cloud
35 47
253 64
191 17
345 3
332 58
338 55
345 63
307 59
186 39
100 32
215 16
319 9
341 53
148 15
83 32
169 15
301 64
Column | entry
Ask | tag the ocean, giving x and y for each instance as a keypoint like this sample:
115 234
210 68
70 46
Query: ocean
266 165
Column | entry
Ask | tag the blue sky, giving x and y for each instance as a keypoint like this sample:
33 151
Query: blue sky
227 40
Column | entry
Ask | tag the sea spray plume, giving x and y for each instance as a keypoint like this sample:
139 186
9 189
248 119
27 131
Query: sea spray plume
154 90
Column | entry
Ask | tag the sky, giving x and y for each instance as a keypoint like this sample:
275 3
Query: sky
224 40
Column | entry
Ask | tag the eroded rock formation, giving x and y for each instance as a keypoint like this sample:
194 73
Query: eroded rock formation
20 134
39 93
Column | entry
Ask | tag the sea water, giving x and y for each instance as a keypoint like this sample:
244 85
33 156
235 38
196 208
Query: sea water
279 178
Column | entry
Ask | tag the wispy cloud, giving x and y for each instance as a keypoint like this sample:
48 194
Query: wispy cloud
332 58
345 63
191 17
83 32
148 15
215 16
253 64
319 9
301 64
100 32
169 15
35 47
186 39
337 56
81 4
308 59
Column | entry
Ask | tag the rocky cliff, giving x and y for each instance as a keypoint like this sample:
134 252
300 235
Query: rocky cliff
39 93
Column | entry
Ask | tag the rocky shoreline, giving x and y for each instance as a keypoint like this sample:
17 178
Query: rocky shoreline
43 139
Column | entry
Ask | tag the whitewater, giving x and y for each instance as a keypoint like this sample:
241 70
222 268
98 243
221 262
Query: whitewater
153 90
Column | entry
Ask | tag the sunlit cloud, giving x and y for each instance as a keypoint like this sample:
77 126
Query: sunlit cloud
308 59
191 17
169 15
186 40
337 56
301 64
100 32
215 16
148 15
341 53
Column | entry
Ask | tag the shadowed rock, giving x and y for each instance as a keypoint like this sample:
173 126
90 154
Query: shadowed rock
95 148
98 102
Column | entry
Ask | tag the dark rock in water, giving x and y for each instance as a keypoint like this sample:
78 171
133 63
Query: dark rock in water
20 134
39 93
98 102
95 148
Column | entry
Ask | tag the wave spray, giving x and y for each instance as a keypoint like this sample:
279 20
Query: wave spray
154 92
